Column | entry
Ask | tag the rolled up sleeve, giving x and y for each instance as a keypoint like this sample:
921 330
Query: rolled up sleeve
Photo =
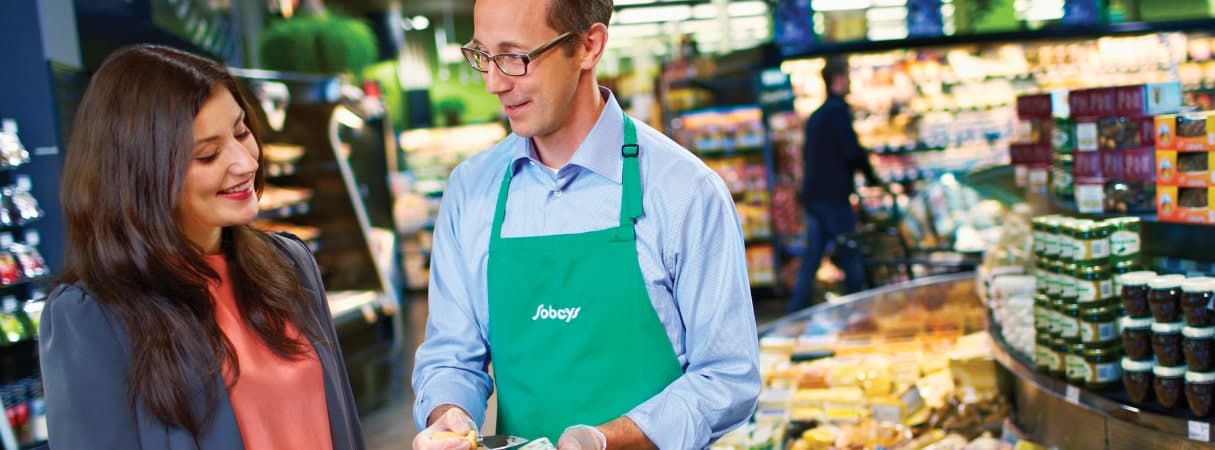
451 365
720 387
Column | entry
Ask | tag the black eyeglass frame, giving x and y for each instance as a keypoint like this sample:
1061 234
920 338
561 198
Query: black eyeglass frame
471 54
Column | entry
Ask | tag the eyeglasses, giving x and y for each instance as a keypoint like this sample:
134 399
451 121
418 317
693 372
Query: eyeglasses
513 64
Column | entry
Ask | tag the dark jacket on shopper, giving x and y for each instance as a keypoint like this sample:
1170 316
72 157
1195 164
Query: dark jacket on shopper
85 364
831 154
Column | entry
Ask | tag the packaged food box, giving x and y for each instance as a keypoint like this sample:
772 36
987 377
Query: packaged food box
1087 167
1185 132
1143 99
1188 169
1185 204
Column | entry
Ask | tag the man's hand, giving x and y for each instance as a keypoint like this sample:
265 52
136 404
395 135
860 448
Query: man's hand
582 437
446 431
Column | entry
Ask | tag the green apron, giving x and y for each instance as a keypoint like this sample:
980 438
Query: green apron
573 335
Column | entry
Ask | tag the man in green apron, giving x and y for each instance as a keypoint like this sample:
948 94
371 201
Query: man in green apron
597 264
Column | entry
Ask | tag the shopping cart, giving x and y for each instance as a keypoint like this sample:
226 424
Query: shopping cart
895 247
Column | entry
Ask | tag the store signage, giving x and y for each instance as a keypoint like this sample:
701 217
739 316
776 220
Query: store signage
775 91
1081 12
924 18
793 26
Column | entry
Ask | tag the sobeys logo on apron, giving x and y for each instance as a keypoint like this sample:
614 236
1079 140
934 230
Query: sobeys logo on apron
548 313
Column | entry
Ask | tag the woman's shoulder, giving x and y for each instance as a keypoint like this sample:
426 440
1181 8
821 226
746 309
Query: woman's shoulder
73 316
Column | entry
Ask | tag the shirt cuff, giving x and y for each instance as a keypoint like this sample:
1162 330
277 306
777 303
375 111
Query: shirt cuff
449 391
668 428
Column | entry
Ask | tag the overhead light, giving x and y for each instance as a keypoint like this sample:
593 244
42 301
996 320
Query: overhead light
747 8
421 22
676 13
632 2
415 23
704 11
840 5
896 14
635 30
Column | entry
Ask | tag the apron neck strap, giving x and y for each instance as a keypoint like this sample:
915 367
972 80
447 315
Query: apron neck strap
630 201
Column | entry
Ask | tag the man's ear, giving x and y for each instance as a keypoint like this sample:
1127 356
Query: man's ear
593 46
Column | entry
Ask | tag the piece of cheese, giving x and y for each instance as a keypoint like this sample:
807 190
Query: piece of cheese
470 436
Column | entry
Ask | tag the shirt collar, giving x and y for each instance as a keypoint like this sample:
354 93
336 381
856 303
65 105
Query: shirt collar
599 152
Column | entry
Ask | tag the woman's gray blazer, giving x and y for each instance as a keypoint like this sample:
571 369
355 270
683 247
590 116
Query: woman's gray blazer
85 357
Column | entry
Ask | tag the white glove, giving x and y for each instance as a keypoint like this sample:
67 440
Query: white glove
444 433
582 437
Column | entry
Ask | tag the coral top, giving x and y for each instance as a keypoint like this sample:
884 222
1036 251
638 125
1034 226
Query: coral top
279 404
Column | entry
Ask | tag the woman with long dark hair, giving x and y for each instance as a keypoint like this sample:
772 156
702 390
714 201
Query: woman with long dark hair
176 325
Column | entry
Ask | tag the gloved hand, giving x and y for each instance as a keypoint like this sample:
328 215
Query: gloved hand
440 435
582 437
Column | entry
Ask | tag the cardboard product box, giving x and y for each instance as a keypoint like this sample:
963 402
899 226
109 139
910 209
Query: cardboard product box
1163 98
1090 197
1087 134
1139 164
1185 204
1063 139
1185 169
1037 105
1134 100
1087 167
1185 132
1112 165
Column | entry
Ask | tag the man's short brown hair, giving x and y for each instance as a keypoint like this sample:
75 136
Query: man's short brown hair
578 16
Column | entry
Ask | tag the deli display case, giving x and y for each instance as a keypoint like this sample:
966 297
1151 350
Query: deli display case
924 364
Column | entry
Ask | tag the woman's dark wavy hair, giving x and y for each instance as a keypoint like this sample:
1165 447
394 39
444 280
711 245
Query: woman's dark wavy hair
126 163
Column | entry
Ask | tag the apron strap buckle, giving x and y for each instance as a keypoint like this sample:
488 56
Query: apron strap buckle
629 150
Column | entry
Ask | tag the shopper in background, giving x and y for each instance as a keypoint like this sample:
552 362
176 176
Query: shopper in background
177 326
831 156
598 265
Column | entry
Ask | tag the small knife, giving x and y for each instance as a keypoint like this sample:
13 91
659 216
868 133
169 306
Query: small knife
500 442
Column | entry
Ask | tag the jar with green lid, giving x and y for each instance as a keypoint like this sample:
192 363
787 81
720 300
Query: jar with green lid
1093 284
1051 236
1103 367
1043 354
1042 314
1069 327
1124 238
1075 369
1059 370
1099 323
1056 318
1067 239
1092 242
1038 225
1055 279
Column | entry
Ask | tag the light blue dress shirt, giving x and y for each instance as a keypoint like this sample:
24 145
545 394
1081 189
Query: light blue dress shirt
691 253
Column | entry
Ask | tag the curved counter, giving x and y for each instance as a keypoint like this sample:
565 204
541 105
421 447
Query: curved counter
1047 410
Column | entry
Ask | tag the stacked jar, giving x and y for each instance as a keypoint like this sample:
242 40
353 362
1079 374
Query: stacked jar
1096 350
1136 331
1164 300
1198 343
1048 288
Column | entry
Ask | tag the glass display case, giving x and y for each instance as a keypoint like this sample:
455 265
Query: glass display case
927 311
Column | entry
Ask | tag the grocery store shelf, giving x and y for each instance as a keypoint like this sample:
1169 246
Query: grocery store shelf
753 240
1044 34
730 153
348 305
1064 397
883 149
19 225
286 211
